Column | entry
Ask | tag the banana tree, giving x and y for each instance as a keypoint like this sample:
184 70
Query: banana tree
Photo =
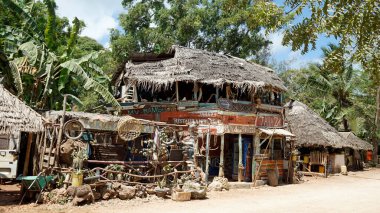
40 73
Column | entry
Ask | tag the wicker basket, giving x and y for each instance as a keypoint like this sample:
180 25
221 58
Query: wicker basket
129 128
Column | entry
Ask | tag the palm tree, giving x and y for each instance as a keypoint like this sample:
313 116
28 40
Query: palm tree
39 71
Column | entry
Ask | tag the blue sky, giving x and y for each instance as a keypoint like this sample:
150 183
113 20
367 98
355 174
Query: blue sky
102 15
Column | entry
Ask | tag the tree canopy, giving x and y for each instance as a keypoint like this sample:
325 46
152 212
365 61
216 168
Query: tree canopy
228 26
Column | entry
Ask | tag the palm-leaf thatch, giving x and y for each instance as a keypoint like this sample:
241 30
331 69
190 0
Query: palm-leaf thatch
16 116
312 130
194 65
359 143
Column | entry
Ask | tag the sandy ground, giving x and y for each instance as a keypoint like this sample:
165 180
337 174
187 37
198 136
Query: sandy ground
357 192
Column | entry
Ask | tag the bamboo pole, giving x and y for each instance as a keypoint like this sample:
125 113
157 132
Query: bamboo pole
36 152
27 154
60 132
207 152
177 91
240 165
43 150
221 161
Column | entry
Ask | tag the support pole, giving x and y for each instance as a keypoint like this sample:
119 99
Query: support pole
207 153
60 132
217 94
27 154
176 91
256 149
240 165
221 161
195 91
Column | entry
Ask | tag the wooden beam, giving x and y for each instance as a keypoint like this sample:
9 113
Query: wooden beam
217 94
240 165
256 151
221 161
207 154
27 154
60 132
177 91
195 91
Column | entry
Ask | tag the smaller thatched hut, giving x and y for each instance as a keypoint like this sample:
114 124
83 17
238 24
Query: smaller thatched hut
357 142
321 144
310 129
16 116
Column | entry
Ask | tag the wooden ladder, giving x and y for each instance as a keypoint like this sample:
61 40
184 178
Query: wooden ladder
48 150
258 168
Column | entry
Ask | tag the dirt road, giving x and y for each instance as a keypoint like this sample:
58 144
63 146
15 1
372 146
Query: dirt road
357 192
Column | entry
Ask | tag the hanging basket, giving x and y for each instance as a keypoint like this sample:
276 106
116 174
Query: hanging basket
129 128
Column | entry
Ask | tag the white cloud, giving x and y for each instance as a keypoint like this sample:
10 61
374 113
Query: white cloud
99 15
276 46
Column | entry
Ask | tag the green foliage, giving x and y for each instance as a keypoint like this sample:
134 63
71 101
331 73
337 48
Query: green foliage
356 24
228 26
42 68
344 100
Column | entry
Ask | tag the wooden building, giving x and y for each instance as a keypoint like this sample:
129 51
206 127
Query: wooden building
323 149
15 117
235 104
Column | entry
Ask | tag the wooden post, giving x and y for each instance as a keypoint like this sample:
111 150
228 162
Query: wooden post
221 161
207 153
135 97
41 163
195 91
27 154
176 91
256 148
60 132
240 165
37 145
217 94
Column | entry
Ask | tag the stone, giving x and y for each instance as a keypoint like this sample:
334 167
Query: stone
218 184
126 192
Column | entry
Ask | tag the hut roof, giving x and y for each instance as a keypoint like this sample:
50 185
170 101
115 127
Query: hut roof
194 65
357 142
310 129
16 116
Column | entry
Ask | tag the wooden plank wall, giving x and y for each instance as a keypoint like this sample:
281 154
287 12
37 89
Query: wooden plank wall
271 164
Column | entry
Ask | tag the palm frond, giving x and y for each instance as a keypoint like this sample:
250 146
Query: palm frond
75 67
16 77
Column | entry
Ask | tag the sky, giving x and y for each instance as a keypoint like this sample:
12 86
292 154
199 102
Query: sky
102 15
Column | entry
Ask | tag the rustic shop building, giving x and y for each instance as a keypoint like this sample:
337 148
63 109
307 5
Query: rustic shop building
323 149
236 105
18 122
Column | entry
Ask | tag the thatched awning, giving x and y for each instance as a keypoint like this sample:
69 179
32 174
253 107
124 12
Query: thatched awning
356 141
16 116
312 130
194 65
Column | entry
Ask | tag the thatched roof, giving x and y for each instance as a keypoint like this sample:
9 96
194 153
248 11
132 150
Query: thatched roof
357 142
96 121
194 65
312 130
16 116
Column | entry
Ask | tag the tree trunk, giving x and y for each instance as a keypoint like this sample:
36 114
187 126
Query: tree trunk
377 122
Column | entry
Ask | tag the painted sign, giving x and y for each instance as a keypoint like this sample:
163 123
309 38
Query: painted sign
170 114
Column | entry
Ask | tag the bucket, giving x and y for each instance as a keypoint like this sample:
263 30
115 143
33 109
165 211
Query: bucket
369 155
343 170
306 159
272 177
77 179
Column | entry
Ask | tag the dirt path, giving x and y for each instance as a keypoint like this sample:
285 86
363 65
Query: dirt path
357 192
